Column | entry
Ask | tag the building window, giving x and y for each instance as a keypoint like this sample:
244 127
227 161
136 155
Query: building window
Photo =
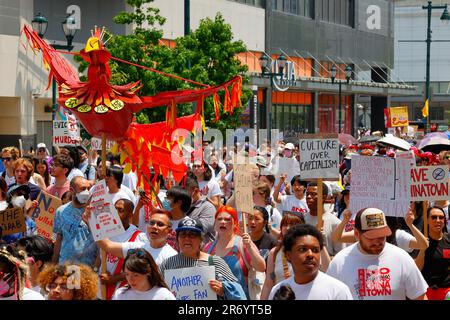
337 11
254 3
303 8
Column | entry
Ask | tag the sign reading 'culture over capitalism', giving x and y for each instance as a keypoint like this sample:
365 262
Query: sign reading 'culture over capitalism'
319 156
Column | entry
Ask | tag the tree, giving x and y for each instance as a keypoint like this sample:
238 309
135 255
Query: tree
210 51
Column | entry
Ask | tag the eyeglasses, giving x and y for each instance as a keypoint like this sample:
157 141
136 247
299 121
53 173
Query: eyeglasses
139 252
52 286
6 159
437 217
158 223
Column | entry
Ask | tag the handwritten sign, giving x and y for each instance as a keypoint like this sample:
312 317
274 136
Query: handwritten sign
96 144
319 156
12 221
104 222
44 214
430 183
191 283
407 155
65 133
243 187
382 183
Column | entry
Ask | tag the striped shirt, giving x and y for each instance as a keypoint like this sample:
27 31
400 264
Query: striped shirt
179 261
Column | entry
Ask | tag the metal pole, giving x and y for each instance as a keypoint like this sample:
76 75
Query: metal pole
427 83
340 107
187 23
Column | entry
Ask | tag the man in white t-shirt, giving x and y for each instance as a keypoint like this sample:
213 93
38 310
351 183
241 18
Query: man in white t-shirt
158 228
374 269
294 202
114 276
302 246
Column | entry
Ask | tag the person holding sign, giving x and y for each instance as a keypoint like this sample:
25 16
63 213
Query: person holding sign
302 245
143 277
330 221
295 202
434 262
238 252
189 236
374 269
74 242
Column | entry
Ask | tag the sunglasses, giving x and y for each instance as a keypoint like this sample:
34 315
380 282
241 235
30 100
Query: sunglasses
437 217
187 234
158 223
6 159
140 253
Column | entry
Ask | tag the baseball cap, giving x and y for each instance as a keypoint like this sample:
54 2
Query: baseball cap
41 145
372 222
189 224
289 146
261 161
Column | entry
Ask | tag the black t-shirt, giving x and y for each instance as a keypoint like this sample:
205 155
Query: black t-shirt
266 243
436 269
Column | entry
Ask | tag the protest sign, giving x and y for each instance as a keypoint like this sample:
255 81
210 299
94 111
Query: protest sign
44 214
382 183
407 155
398 116
12 221
243 187
288 166
430 183
319 156
96 144
191 283
104 221
65 133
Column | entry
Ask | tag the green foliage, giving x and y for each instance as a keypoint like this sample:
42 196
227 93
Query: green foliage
207 55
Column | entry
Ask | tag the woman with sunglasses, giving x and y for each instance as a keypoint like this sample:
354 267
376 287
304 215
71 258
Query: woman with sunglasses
69 282
143 277
434 262
189 237
9 155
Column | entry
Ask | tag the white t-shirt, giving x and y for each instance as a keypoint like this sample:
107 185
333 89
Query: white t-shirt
291 203
130 180
330 223
158 254
275 218
155 293
9 180
403 240
75 172
390 275
323 287
3 205
28 294
212 190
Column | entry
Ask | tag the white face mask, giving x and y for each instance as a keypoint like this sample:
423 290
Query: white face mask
83 196
18 202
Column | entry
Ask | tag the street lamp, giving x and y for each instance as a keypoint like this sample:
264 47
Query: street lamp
268 72
348 75
40 24
445 18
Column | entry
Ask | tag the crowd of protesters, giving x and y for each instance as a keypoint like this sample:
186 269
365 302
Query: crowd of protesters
280 255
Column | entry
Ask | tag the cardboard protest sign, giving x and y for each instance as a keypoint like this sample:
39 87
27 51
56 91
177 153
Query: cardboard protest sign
288 166
382 183
191 283
243 187
12 221
65 133
104 222
96 144
319 156
430 183
44 214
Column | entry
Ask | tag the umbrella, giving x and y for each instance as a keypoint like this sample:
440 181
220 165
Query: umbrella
394 142
435 142
368 139
347 139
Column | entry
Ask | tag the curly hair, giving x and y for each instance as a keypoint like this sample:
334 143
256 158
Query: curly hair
88 279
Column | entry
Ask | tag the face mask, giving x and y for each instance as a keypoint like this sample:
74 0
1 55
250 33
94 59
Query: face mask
18 202
83 196
167 204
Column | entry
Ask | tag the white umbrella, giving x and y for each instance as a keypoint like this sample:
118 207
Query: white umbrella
394 142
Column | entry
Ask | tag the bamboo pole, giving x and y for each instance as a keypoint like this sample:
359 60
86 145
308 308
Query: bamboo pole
103 252
319 203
